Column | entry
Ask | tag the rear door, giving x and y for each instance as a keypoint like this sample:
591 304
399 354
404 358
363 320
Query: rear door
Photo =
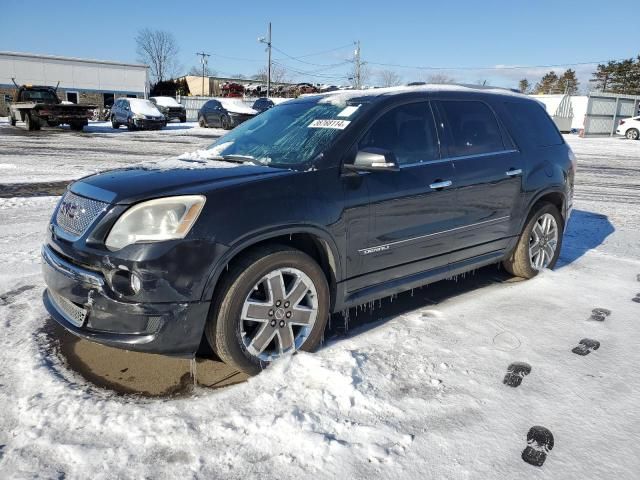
411 209
488 177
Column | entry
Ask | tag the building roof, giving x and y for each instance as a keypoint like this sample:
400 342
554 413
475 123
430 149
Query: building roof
72 59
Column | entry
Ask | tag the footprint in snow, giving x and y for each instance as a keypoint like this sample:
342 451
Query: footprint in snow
636 298
539 444
515 373
586 346
599 314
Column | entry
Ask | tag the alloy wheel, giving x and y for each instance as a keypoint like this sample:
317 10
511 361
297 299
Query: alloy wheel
543 241
278 314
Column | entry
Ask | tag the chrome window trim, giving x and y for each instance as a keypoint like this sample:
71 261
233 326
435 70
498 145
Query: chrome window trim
460 157
386 246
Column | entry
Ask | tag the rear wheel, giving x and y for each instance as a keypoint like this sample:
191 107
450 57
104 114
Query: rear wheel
225 122
76 126
539 244
202 122
273 302
12 120
114 124
633 134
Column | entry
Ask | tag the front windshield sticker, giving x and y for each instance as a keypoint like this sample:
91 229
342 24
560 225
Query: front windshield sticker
337 124
348 111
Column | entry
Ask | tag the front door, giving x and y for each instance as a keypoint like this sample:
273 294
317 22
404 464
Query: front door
411 210
488 176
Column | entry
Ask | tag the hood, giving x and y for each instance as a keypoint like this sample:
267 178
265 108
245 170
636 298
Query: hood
143 107
144 181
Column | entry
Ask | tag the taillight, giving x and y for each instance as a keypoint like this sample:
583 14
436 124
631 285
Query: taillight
621 122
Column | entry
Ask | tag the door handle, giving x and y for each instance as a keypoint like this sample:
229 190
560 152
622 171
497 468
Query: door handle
514 172
440 184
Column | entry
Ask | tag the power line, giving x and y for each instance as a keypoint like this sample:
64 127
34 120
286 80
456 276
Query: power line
505 67
297 59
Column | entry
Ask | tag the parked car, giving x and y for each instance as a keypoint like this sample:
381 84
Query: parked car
262 104
224 113
136 114
170 108
630 128
326 202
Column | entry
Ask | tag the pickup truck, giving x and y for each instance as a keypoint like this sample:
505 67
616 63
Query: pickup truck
39 105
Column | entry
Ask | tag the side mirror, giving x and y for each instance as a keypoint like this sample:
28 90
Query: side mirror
374 160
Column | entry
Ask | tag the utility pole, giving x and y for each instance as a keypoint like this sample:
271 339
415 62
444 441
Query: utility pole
268 42
203 60
358 66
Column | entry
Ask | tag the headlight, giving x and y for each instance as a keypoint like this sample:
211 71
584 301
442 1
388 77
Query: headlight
138 116
156 220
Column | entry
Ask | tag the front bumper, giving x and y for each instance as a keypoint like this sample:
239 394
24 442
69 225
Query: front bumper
146 123
81 301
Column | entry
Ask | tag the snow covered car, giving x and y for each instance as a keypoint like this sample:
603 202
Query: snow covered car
319 204
630 128
225 113
136 114
170 108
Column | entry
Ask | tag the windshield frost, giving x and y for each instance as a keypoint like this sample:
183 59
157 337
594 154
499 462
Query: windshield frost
289 134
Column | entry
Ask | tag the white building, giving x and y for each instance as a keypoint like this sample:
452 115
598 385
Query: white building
81 80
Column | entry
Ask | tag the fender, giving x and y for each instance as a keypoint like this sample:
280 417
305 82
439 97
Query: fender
336 263
538 195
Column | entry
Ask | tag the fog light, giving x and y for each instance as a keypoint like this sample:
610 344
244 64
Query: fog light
136 283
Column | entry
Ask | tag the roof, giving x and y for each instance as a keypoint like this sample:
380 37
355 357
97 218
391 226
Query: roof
343 96
72 59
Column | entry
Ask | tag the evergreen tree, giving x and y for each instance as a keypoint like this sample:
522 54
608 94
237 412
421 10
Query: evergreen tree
548 84
524 86
568 82
618 77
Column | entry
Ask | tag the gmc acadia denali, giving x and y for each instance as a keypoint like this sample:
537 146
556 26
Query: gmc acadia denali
318 204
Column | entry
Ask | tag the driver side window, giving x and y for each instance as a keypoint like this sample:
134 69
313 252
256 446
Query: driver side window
408 131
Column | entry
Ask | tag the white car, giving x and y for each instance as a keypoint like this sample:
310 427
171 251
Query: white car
630 128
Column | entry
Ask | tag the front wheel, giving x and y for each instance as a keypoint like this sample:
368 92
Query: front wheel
539 244
225 122
633 134
12 120
32 123
273 302
114 124
202 122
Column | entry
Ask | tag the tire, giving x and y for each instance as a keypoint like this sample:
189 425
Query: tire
632 134
76 127
225 123
53 124
114 124
31 123
183 119
520 263
202 122
232 338
130 125
12 120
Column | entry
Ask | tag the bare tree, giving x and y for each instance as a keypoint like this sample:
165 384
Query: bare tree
440 78
279 74
389 78
159 50
196 71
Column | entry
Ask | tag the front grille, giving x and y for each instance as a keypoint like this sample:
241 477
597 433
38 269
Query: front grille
76 214
74 314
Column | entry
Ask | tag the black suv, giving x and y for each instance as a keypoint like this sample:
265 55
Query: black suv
319 204
214 114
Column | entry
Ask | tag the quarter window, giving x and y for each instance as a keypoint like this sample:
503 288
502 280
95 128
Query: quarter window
408 131
531 119
474 128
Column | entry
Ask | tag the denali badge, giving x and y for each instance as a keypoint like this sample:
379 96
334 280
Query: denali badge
367 251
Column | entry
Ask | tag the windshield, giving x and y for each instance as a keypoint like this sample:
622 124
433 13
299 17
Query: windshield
46 96
288 134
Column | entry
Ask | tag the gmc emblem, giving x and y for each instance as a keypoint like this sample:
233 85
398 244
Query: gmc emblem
69 209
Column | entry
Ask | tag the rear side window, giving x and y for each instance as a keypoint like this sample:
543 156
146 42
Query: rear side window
532 121
473 126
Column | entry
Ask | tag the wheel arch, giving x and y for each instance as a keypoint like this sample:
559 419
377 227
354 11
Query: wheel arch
553 196
315 242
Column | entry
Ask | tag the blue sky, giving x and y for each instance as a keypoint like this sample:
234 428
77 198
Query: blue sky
454 34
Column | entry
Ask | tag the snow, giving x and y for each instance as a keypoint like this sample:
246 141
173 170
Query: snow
236 105
416 394
143 107
166 101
